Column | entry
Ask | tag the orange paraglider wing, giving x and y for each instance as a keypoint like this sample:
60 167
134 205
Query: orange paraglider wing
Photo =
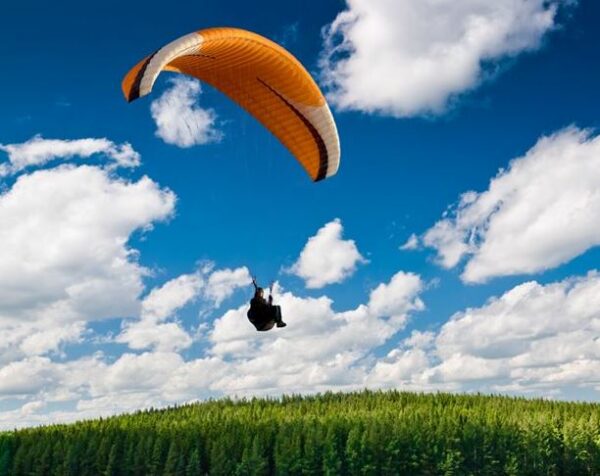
263 78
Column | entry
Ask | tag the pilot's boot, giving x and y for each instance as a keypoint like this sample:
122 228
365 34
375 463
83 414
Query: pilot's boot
278 318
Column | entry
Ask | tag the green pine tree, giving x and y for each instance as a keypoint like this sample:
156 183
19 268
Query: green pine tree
112 464
172 462
193 467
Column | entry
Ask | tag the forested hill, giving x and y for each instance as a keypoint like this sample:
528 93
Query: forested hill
366 433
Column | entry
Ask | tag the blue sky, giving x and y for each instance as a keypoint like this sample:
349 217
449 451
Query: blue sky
124 283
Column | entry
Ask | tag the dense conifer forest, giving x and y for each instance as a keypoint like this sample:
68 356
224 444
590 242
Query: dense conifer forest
364 433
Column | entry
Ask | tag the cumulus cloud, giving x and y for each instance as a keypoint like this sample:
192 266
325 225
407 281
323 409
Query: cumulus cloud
39 342
26 377
163 337
161 304
390 299
38 151
222 283
150 331
66 261
320 349
533 336
538 339
65 258
539 213
179 119
327 258
401 369
213 285
410 57
163 301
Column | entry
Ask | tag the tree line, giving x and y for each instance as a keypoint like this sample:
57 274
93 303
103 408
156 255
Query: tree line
361 433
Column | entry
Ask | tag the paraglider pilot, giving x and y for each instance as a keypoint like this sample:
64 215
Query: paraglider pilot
262 313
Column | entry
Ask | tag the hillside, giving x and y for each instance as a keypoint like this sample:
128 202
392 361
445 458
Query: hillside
367 433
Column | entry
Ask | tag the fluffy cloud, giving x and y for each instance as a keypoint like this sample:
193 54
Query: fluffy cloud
65 257
401 369
162 302
410 57
167 337
327 258
390 299
150 331
539 213
320 349
534 337
38 151
222 283
528 315
67 262
26 377
537 339
541 339
179 120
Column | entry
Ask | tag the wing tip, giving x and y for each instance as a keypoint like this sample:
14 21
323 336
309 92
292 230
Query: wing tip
130 97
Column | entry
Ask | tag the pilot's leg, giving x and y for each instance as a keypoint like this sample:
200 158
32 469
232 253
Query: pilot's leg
277 316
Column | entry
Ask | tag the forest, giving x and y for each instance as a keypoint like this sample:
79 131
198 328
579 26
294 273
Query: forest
360 433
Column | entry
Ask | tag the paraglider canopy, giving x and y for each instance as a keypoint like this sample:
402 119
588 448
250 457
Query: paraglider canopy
263 78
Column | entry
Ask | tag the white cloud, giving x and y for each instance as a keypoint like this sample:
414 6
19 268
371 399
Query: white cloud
320 349
527 315
327 258
411 244
222 284
538 339
400 369
49 339
410 57
179 120
162 302
393 299
90 387
168 337
534 337
38 151
65 259
420 340
459 368
150 331
147 371
541 212
26 377
32 407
